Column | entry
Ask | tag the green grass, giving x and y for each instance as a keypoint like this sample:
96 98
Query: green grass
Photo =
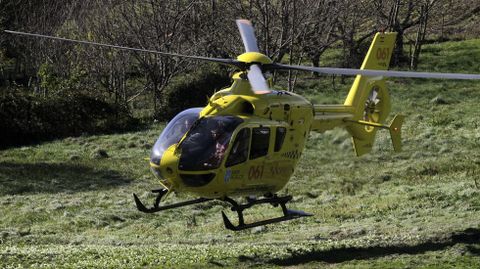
64 205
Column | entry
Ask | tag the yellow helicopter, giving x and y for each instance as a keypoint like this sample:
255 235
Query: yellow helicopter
247 140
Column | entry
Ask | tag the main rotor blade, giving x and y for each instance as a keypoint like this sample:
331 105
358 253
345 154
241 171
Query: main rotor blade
248 35
373 73
257 80
230 62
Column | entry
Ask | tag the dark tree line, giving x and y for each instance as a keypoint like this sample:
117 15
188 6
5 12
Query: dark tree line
299 29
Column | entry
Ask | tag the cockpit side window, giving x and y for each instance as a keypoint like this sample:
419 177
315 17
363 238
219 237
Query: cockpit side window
239 151
279 138
260 142
206 142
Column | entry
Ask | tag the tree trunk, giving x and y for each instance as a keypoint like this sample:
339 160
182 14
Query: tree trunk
315 59
398 55
422 29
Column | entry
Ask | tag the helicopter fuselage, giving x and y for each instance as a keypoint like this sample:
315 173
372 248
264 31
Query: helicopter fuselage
264 137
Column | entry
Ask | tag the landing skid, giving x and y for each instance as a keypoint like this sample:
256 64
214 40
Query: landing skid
288 214
156 206
275 200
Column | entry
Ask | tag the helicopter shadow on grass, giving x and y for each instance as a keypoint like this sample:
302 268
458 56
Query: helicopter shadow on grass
470 237
28 178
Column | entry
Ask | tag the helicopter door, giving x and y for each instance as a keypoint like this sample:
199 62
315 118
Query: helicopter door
260 142
258 157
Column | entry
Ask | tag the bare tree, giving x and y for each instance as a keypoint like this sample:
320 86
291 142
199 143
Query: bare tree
155 25
319 21
34 16
420 36
354 29
455 19
399 16
301 29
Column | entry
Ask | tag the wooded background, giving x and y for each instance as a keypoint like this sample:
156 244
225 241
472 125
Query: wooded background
69 80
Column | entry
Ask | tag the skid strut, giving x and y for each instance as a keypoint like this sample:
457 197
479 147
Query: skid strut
288 214
156 206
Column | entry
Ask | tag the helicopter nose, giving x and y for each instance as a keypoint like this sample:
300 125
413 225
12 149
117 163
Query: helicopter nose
155 165
155 160
156 172
164 167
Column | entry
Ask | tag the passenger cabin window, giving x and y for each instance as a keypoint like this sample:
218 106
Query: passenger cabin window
279 138
260 141
239 151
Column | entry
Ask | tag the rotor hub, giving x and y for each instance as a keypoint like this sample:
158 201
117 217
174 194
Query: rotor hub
254 57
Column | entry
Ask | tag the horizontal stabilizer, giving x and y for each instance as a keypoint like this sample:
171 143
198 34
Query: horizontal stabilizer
364 145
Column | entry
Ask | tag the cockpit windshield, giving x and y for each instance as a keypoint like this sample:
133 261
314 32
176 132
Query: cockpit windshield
205 145
173 132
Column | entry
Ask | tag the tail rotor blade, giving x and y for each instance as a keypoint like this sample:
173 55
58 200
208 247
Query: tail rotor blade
248 35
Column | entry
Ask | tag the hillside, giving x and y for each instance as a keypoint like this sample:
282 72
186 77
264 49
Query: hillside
63 204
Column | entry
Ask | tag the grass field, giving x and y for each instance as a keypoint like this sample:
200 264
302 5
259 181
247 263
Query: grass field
64 204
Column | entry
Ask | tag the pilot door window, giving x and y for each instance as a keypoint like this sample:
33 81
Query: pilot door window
205 145
260 142
239 151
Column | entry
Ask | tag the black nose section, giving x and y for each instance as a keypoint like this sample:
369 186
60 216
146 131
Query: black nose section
197 180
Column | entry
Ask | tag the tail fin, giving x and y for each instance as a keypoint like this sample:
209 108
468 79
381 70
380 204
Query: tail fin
368 96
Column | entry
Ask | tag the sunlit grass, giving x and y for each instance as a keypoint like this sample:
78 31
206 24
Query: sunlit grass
64 205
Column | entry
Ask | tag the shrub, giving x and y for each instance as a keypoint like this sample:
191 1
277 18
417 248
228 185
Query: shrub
192 90
28 119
